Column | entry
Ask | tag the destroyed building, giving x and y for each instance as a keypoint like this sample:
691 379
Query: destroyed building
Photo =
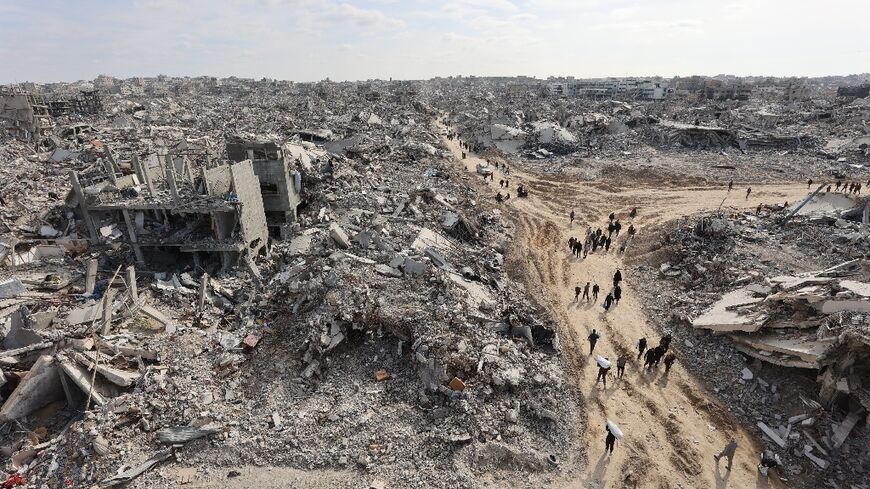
86 102
164 209
24 115
392 334
279 176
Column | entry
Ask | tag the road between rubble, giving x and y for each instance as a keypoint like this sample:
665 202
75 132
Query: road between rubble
673 425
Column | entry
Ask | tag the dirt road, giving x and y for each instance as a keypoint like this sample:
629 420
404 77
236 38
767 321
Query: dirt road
672 427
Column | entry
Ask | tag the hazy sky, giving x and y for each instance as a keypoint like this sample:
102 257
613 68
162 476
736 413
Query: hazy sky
304 40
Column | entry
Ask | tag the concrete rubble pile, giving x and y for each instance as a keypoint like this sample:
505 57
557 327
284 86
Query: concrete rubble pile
588 135
265 275
798 346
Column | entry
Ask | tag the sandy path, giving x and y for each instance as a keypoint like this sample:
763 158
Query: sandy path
672 428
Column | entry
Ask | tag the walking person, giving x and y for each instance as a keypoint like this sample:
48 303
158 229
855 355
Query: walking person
586 292
608 301
620 366
730 186
809 183
609 441
617 294
728 452
593 338
595 289
602 374
607 244
641 346
577 294
748 191
617 277
617 227
572 217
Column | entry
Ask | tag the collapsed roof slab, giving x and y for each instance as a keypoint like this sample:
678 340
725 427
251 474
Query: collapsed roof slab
40 387
859 288
790 282
850 305
730 314
774 358
826 204
806 348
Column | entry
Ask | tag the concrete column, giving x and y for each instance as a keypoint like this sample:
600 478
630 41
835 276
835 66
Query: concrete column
203 288
170 179
131 284
110 171
143 174
107 310
91 276
131 231
77 188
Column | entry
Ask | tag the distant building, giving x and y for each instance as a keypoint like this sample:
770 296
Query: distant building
797 91
719 90
855 91
24 115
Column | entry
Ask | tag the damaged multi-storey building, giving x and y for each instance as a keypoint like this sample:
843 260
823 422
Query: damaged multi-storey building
280 179
24 115
165 211
86 102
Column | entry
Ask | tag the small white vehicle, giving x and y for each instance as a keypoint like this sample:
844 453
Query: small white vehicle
484 168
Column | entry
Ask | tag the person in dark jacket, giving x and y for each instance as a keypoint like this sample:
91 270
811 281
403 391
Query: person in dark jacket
609 441
617 294
593 338
617 277
602 374
641 346
620 366
608 301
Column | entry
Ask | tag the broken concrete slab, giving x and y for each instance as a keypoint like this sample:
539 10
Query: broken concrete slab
835 306
805 348
428 238
844 428
11 288
156 315
339 236
9 355
412 267
18 331
387 270
116 376
85 314
790 282
40 387
821 463
731 314
773 435
82 379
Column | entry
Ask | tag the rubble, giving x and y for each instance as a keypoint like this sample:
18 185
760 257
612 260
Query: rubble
308 281
778 316
190 283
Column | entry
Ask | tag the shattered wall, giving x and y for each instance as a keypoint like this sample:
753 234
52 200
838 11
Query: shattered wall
252 217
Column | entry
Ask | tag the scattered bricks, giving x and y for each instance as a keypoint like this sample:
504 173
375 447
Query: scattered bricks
381 375
456 384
